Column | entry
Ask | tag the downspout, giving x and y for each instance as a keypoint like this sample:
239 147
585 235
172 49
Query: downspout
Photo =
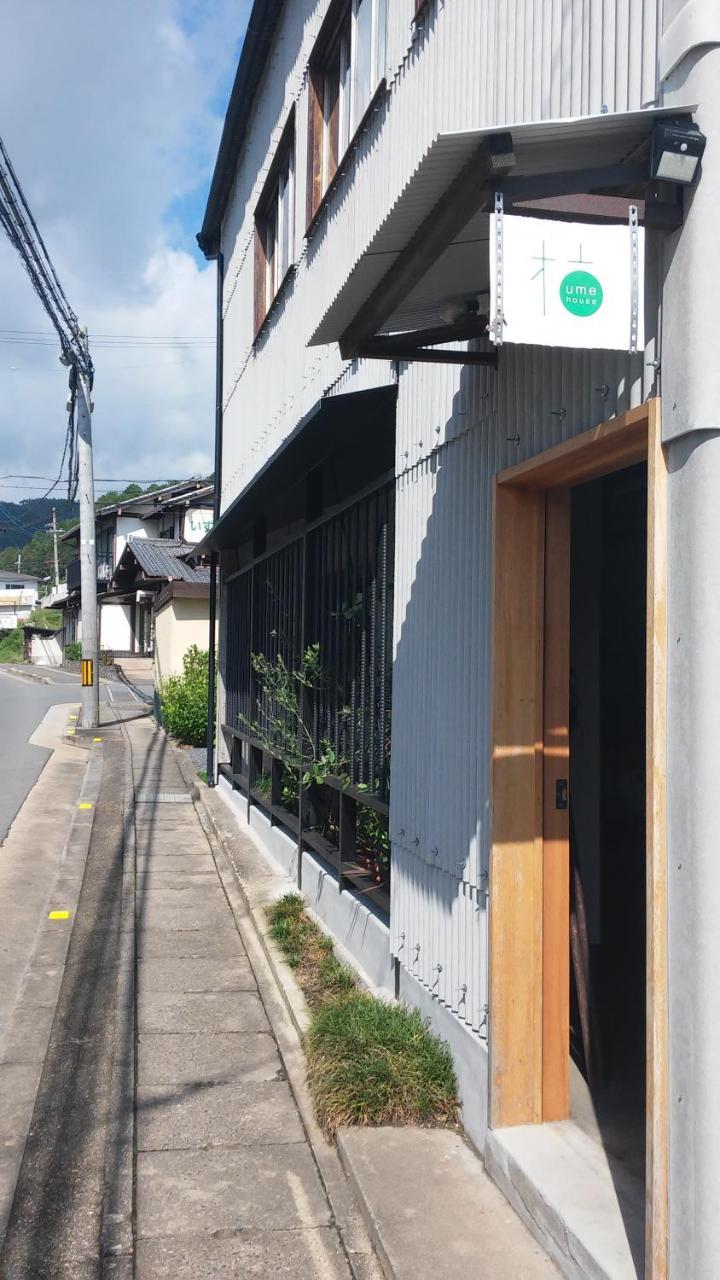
212 657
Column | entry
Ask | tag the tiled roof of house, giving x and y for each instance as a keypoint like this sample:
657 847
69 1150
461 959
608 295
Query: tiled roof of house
162 558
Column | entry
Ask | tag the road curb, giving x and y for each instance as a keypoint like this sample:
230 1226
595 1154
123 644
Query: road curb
10 670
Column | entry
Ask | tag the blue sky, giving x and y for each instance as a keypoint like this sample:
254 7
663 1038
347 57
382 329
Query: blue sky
114 141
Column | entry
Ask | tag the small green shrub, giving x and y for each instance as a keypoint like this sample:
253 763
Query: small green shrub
12 646
73 651
184 699
369 1062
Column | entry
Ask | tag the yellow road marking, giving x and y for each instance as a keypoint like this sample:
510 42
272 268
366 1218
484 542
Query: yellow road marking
85 805
97 739
59 915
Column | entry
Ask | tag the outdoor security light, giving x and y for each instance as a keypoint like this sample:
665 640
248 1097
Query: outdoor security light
501 151
677 147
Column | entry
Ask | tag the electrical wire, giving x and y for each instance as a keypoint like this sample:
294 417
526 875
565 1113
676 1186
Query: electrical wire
22 475
14 520
15 215
135 337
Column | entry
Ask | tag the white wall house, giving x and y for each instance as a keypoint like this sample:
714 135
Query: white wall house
18 597
506 554
125 627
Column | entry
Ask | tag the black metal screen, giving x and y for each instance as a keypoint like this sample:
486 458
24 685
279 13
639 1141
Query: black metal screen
349 616
331 589
236 655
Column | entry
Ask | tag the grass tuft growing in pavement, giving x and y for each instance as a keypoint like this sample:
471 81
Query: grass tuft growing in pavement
369 1062
308 951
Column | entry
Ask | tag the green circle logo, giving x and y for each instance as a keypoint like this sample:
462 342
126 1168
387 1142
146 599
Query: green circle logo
581 293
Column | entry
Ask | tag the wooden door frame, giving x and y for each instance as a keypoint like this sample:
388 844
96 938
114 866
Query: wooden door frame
529 864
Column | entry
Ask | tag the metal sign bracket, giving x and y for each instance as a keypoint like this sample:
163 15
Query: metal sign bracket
498 320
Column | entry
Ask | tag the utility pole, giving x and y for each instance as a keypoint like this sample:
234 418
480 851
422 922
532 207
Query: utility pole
90 700
22 231
19 561
55 550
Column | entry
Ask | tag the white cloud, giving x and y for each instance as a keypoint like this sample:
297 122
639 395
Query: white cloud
112 116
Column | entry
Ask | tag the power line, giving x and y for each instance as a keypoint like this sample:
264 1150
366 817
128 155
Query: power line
120 343
13 520
15 216
21 475
192 337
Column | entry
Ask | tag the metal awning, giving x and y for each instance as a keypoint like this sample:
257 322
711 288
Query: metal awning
587 147
331 425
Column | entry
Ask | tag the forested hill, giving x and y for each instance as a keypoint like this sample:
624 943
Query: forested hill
23 529
20 520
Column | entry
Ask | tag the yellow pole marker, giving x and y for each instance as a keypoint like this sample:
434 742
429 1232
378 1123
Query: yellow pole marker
71 731
59 915
85 805
97 739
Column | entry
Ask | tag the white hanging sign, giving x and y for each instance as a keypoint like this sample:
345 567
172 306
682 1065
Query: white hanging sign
566 284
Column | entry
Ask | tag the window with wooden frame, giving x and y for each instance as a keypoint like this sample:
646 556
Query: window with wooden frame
275 226
346 71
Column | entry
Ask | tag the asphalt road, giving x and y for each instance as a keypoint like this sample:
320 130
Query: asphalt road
23 703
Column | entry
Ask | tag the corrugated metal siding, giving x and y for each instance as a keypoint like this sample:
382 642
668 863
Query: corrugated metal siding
471 65
455 429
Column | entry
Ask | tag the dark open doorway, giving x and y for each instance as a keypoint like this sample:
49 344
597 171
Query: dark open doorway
608 593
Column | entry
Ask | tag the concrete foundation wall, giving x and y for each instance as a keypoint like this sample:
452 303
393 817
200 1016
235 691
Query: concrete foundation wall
361 937
46 651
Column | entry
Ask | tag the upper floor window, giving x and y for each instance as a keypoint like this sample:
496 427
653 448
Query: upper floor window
346 69
275 226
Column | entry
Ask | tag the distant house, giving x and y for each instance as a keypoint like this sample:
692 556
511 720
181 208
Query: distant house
178 513
170 593
18 598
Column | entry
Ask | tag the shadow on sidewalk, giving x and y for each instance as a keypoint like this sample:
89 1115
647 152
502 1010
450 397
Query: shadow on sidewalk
78 1156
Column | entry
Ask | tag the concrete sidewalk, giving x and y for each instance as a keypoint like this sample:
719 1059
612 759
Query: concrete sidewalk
430 1208
227 1182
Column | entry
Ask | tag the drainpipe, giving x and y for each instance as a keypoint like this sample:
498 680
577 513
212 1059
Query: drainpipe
212 692
212 684
690 73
